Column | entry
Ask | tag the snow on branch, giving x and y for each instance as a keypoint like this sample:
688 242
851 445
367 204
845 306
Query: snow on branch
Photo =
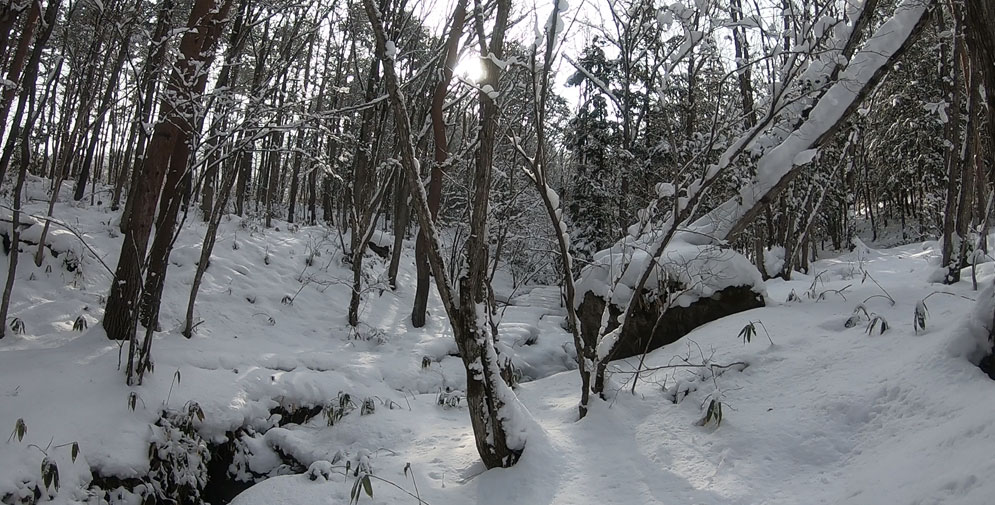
778 165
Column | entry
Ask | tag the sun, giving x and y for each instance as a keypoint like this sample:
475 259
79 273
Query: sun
470 67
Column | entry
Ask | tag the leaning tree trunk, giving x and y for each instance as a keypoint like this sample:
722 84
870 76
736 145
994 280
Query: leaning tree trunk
538 175
178 182
775 169
362 185
15 226
210 238
53 198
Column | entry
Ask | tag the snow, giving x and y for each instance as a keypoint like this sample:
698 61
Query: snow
774 260
805 157
701 270
938 108
825 415
489 90
664 18
665 189
554 199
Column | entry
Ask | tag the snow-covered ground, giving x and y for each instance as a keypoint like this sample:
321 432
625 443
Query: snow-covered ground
827 414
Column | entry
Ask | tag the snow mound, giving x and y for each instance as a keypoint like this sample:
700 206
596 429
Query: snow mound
698 271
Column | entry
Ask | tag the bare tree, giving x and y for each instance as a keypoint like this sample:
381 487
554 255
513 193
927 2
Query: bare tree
23 132
494 409
441 156
178 118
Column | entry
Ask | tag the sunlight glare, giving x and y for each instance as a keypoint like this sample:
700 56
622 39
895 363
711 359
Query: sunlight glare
470 67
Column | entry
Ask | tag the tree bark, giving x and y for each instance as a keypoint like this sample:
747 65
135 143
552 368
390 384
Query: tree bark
420 304
177 185
953 134
177 119
148 83
400 224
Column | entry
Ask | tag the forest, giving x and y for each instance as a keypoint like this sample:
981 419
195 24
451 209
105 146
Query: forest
281 251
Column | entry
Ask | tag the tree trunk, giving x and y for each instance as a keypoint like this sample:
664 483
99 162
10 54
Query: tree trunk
27 95
420 304
177 186
299 143
177 120
16 66
9 12
295 175
245 171
966 197
149 81
980 30
210 238
103 108
775 169
363 176
493 407
745 75
953 135
56 189
400 222
274 159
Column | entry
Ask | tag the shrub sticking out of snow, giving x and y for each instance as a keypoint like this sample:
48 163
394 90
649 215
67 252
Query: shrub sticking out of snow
320 470
178 456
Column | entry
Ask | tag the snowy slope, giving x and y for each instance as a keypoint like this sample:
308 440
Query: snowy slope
827 414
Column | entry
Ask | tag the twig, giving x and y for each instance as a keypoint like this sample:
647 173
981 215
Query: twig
710 366
946 293
867 275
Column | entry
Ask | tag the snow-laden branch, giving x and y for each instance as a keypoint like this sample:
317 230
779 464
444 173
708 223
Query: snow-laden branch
779 165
